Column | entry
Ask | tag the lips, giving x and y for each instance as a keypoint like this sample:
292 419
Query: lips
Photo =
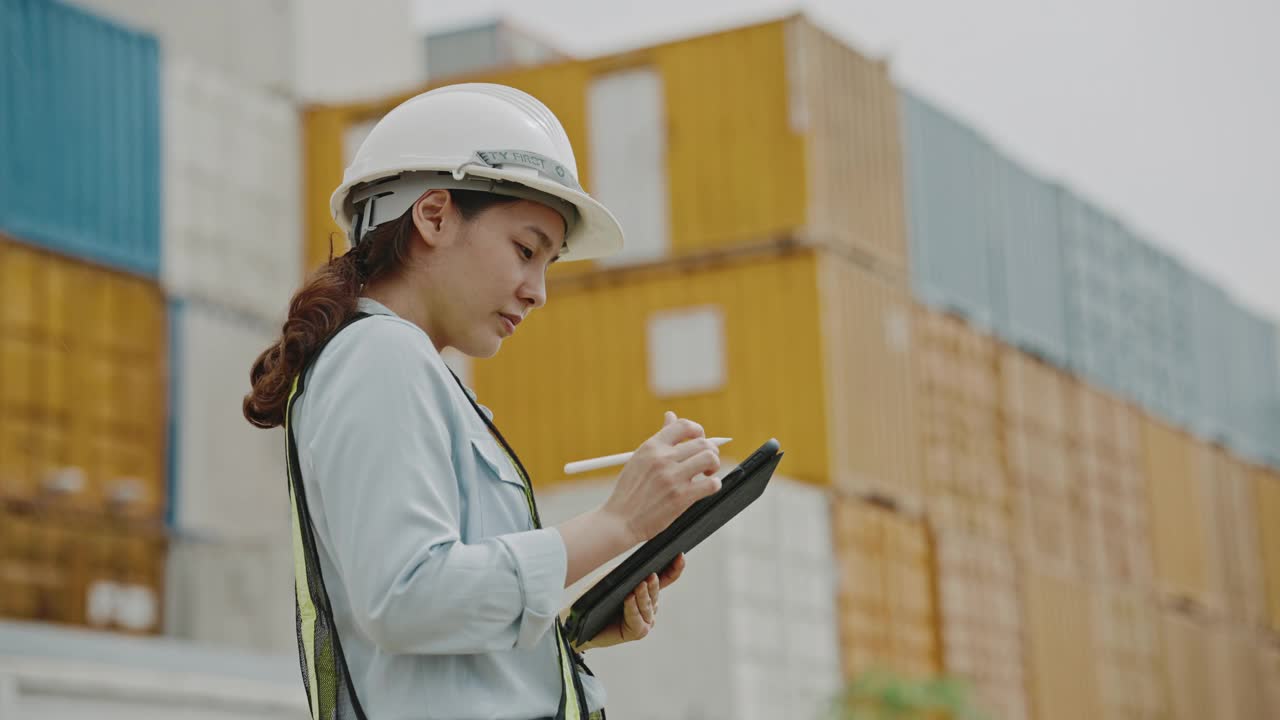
511 321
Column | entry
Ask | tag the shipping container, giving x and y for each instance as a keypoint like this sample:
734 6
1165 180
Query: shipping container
62 673
1060 654
747 631
981 619
869 383
69 567
952 180
250 41
233 203
1211 333
1236 561
1098 256
82 395
1266 484
885 592
1029 296
1252 385
692 122
1269 672
1190 656
735 346
1046 488
1107 451
1238 675
958 423
1163 346
483 46
1127 664
81 171
1180 535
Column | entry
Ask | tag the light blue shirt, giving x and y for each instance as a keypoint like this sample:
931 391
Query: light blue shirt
443 593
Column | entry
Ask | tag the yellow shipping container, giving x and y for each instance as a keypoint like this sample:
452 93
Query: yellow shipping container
1176 496
885 596
1127 662
958 423
592 373
1061 657
767 130
1194 679
1266 485
1235 559
1106 451
82 383
1048 524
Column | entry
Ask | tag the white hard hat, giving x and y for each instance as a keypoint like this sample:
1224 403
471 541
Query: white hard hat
472 136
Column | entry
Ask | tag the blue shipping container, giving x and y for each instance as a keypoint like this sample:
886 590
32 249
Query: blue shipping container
1029 299
950 175
1162 346
80 126
1212 334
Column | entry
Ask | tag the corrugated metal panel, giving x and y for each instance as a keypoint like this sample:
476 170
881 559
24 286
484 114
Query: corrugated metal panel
1162 346
1108 453
1269 665
83 384
220 494
1029 295
590 342
250 40
1237 561
232 196
1252 384
958 422
1128 664
982 635
1097 258
1266 485
851 122
81 172
727 103
1048 524
950 178
1189 668
1238 677
866 330
1179 536
1211 334
886 593
747 630
1060 653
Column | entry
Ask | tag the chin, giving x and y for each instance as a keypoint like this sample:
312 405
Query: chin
483 348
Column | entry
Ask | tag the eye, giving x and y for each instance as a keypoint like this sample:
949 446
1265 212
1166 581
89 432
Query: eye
525 251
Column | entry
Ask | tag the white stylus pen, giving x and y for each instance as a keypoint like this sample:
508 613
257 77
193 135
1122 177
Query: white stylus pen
582 466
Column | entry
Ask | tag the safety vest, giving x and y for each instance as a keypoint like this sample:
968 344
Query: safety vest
324 667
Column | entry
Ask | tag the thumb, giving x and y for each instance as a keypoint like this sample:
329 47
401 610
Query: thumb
667 418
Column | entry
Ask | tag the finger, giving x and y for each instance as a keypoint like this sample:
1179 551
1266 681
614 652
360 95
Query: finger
645 603
704 463
667 418
654 589
680 429
702 486
690 448
672 572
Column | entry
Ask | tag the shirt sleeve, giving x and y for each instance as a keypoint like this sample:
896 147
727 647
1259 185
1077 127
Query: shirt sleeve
383 469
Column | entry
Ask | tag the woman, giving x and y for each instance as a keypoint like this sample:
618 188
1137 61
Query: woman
426 586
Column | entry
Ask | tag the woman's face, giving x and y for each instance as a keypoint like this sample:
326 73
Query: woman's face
489 273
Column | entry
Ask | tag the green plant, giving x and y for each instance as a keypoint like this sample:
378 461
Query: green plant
884 695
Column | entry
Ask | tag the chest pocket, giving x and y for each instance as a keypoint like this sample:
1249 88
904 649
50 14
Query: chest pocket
504 507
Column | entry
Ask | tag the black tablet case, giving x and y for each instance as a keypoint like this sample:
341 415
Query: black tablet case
602 604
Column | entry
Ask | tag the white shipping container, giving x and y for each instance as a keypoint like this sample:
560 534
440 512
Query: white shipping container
233 191
749 631
52 673
230 573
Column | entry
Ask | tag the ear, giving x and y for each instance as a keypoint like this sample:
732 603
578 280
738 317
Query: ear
432 214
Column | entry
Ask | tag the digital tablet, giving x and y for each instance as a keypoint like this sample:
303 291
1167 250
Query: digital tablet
602 604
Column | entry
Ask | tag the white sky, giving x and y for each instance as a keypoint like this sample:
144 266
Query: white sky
1165 112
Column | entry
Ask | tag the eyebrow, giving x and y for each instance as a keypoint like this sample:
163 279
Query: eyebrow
545 241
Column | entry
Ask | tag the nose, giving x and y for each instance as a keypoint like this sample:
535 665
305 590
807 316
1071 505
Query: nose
534 290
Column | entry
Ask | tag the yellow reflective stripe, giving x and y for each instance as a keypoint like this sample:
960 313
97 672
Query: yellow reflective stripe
302 589
571 709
